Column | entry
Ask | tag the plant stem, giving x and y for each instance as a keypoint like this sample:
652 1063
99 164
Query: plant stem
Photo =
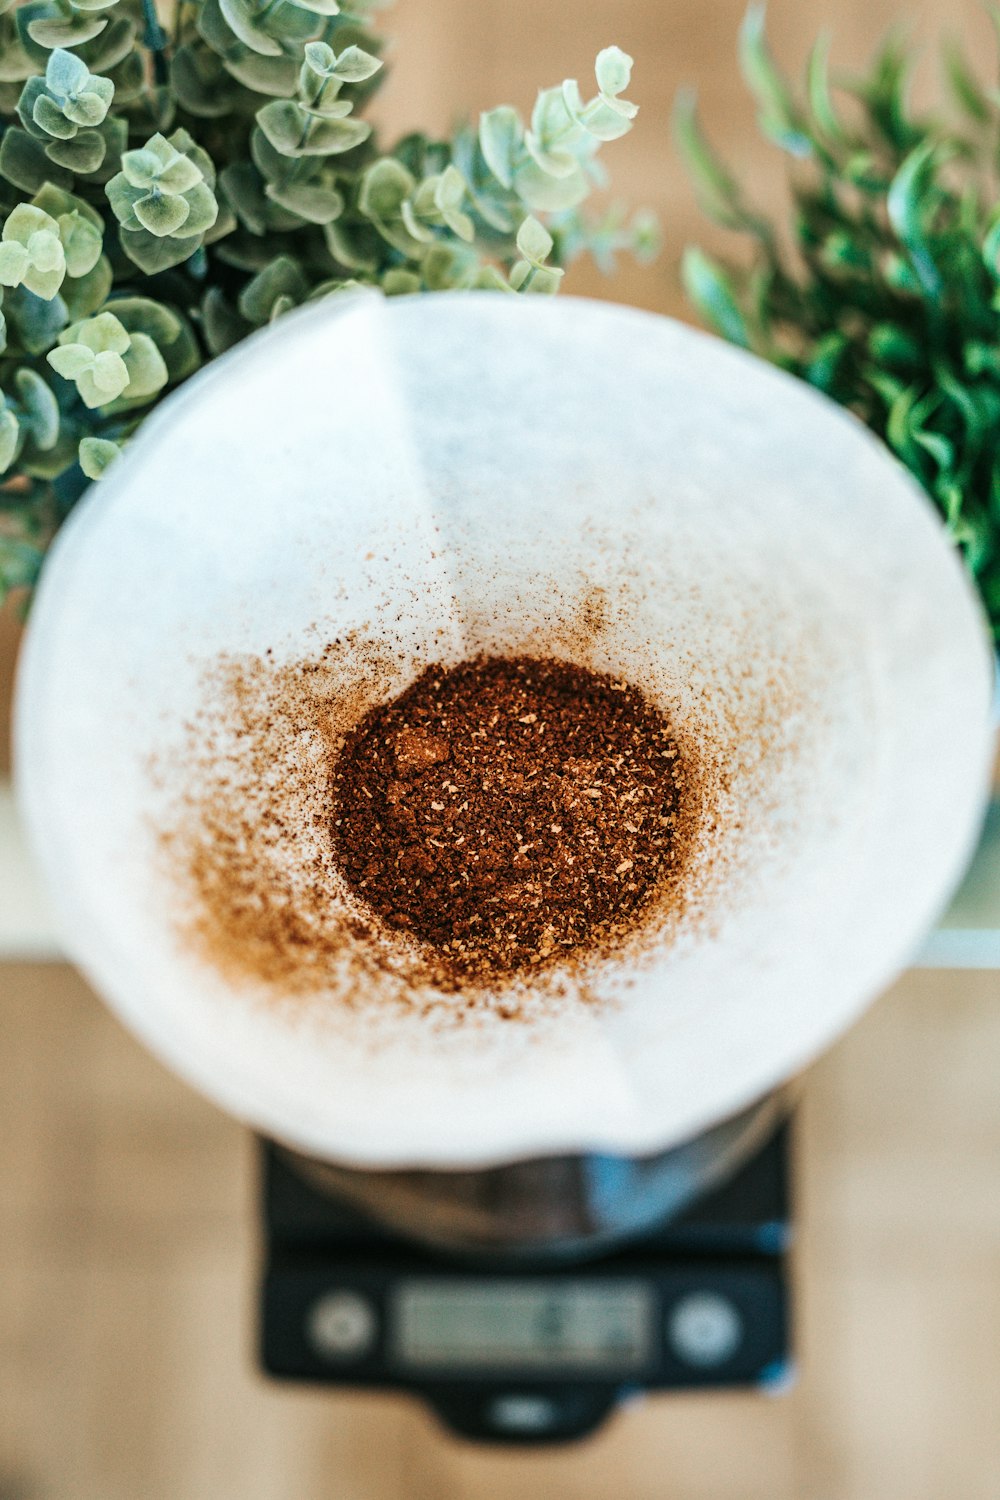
155 39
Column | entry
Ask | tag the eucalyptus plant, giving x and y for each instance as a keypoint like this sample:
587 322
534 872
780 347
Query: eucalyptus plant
165 192
883 289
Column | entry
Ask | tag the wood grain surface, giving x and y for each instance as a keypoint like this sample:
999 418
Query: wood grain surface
127 1275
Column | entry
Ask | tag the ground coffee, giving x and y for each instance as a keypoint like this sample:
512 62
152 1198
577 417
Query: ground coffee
508 811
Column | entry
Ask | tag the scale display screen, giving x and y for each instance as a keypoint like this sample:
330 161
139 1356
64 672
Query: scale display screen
516 1325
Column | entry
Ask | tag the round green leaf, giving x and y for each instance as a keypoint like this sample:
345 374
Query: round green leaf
613 70
10 435
500 137
114 46
422 233
24 163
534 241
384 188
265 75
450 188
354 65
556 163
609 119
141 167
161 213
146 367
104 381
39 408
195 79
546 194
65 72
57 204
551 119
103 334
284 123
85 153
45 283
399 283
203 210
460 224
45 251
13 263
179 175
97 455
70 360
153 253
332 137
88 108
33 90
83 295
143 315
25 220
317 205
70 32
242 22
121 195
48 116
38 321
106 371
320 58
280 280
82 242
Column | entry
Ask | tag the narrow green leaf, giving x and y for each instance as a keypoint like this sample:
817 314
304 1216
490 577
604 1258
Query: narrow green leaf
717 189
712 293
780 117
965 87
818 89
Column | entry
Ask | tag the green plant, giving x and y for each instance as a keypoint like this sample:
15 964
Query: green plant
164 194
885 290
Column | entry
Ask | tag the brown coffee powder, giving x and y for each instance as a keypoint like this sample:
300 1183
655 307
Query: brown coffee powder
508 811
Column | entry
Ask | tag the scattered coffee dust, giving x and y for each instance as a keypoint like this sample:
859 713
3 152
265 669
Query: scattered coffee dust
509 812
605 858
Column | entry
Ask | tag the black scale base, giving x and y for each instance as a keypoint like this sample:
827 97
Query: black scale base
534 1353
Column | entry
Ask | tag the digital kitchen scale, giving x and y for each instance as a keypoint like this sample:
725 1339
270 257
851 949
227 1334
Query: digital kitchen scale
529 1352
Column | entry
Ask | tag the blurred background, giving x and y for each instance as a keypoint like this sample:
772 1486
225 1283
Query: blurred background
127 1222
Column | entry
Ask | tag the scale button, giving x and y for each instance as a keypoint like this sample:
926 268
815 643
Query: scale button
342 1325
522 1413
704 1329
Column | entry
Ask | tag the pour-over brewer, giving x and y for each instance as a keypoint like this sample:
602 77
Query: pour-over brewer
492 466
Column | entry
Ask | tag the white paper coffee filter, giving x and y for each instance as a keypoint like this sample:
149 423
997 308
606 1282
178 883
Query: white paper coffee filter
370 487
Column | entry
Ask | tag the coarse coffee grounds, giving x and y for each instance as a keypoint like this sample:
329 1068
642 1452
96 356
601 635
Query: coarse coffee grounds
508 811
